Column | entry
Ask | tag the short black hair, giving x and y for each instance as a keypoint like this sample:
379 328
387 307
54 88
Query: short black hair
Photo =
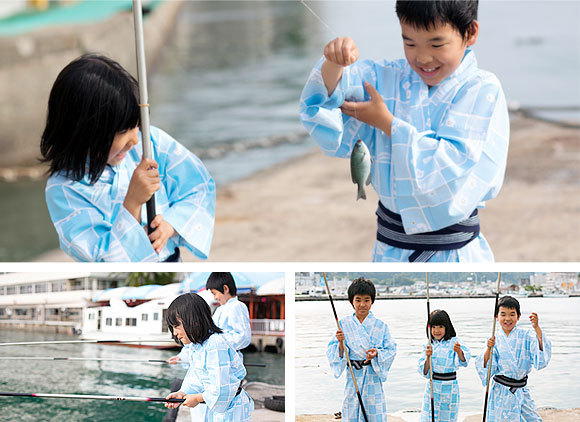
460 14
217 281
193 312
93 98
440 317
361 286
510 303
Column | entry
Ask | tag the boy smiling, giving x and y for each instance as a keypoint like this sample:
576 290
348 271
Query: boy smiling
436 126
371 350
515 352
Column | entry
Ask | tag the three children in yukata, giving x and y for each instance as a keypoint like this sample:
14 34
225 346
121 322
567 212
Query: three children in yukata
372 350
436 127
233 319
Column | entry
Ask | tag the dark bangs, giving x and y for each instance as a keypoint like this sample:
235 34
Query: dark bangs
193 312
441 318
361 286
460 14
92 99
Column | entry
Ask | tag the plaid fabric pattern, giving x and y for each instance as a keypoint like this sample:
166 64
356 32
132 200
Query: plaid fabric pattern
234 319
372 333
445 393
215 371
447 152
93 225
514 356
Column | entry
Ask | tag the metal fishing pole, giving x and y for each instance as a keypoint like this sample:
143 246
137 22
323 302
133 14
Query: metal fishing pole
259 365
430 360
489 362
346 352
30 343
89 397
143 98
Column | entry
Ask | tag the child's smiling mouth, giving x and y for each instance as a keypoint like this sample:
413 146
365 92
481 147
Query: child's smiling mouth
428 71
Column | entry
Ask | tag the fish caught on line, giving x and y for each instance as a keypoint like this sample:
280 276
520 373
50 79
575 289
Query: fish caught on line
360 168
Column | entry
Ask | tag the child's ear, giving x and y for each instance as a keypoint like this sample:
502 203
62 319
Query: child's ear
473 33
226 289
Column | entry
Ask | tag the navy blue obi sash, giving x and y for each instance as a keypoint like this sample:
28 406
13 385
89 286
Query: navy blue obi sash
174 257
448 376
358 364
390 231
510 382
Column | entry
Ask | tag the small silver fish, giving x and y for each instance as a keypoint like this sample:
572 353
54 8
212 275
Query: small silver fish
360 168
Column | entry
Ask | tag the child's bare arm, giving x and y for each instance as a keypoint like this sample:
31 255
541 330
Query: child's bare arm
536 326
339 52
340 338
490 344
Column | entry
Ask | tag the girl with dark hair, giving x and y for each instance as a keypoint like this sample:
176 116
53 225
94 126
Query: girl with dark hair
447 355
215 369
99 182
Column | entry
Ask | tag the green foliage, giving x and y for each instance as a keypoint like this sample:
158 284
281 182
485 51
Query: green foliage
532 289
141 279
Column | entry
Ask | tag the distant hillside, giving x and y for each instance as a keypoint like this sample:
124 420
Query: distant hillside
402 279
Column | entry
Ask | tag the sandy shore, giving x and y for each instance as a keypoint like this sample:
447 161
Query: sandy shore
548 415
305 209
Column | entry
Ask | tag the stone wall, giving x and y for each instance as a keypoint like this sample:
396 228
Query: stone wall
29 64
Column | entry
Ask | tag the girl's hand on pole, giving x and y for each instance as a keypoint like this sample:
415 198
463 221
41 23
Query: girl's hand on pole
175 395
192 400
371 354
373 112
491 342
173 360
144 183
340 336
341 51
162 231
457 347
429 351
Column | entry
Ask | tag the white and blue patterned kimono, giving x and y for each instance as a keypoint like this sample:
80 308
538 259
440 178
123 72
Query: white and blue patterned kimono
360 337
93 225
514 356
446 154
215 371
234 320
445 393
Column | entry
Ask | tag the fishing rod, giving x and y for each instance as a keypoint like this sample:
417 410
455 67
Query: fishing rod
491 350
89 397
430 341
346 352
30 343
143 98
259 365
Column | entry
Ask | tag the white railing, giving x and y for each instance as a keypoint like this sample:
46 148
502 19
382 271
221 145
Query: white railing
268 327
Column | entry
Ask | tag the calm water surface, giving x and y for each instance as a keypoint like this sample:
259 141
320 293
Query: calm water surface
102 378
472 319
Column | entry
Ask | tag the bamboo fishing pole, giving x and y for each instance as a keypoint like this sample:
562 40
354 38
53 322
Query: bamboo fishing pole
346 352
258 365
430 360
489 362
30 343
89 397
143 98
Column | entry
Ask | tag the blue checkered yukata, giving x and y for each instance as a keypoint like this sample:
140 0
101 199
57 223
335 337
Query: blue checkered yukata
446 155
215 371
234 320
93 225
359 337
445 393
513 356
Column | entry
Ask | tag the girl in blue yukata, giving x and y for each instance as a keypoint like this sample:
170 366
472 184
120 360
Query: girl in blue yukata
371 350
515 352
436 126
447 355
215 370
99 182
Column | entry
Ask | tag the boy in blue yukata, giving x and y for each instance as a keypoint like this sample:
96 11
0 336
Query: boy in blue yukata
436 126
371 350
515 352
448 354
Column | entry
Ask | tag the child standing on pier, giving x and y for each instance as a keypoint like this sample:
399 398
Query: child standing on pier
436 126
215 370
515 352
99 182
447 355
371 350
